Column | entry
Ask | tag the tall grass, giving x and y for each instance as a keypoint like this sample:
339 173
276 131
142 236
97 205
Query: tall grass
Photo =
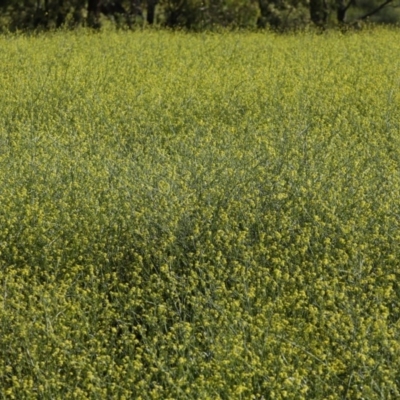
200 216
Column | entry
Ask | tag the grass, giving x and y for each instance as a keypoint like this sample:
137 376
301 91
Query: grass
200 216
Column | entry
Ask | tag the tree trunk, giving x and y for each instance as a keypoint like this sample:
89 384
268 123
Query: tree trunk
341 11
94 13
151 10
61 13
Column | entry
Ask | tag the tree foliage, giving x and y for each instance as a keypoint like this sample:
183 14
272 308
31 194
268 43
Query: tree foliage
193 14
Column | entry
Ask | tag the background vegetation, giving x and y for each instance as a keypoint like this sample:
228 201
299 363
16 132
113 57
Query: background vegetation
200 216
194 14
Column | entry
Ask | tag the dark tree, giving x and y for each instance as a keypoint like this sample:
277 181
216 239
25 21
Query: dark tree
270 13
112 8
319 12
193 14
135 8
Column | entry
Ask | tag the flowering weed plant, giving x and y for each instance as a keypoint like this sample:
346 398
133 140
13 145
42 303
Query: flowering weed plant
200 216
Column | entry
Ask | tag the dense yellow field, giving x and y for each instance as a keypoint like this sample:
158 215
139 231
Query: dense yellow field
210 216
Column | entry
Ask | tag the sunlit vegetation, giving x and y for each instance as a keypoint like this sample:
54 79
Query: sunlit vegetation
200 216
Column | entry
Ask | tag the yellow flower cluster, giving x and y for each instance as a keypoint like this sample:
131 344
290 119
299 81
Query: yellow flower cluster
200 216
